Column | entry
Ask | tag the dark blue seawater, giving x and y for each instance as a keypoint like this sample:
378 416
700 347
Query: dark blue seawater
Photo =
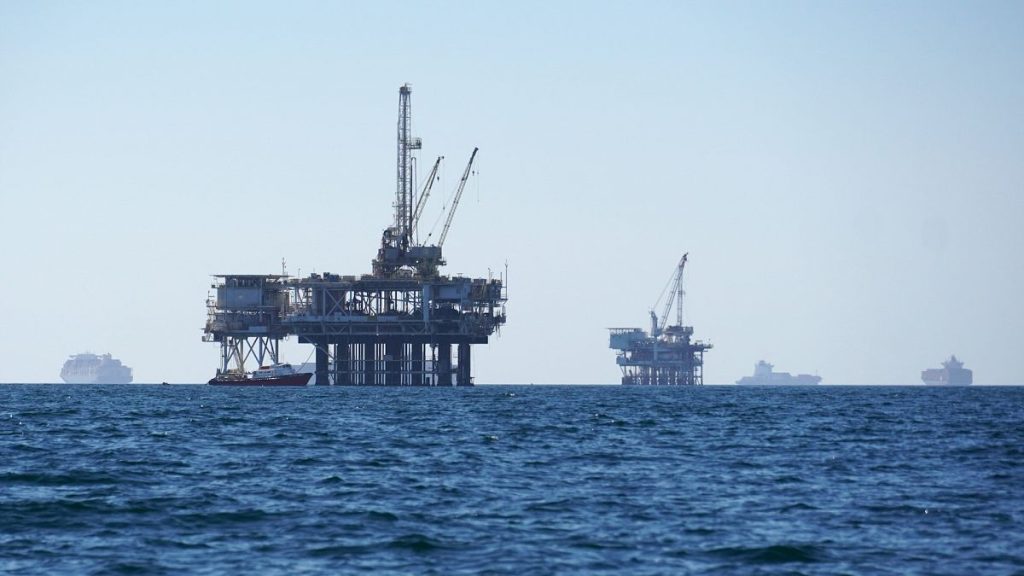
523 480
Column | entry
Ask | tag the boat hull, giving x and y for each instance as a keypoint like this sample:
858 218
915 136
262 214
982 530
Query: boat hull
300 379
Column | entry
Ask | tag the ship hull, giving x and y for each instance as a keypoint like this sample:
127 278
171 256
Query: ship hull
947 381
92 380
301 379
745 382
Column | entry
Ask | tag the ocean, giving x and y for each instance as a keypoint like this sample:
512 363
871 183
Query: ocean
132 479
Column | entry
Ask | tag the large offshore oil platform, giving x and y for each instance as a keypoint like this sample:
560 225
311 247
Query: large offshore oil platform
394 327
666 356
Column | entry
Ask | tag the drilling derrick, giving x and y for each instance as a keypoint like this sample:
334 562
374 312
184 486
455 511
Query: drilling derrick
406 144
396 241
400 254
666 355
406 324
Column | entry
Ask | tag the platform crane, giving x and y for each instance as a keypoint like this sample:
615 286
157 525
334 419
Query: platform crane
455 201
658 328
422 200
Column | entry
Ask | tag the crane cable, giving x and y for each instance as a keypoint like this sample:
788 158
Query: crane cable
663 290
444 203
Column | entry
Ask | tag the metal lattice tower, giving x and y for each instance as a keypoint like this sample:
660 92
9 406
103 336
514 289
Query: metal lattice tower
400 250
405 177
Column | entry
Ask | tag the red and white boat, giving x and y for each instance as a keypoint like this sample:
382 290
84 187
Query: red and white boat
273 375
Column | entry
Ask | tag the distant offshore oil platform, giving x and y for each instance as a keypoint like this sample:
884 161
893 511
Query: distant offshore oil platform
667 355
404 324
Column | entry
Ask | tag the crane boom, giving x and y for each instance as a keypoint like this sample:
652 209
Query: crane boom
455 201
422 200
679 291
677 285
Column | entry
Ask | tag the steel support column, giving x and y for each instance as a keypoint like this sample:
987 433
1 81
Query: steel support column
463 377
370 364
444 364
322 377
393 360
342 364
416 369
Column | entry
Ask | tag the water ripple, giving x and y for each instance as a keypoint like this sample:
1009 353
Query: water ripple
510 480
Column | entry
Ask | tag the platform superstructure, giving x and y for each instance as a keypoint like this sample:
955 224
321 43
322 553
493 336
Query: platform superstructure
404 324
667 355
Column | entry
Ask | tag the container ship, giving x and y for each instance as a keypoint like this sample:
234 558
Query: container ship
763 375
952 373
95 369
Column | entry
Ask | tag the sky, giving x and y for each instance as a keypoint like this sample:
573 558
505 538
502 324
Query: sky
845 176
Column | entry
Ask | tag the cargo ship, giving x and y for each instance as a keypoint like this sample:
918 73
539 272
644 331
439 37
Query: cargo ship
764 376
273 375
952 373
95 369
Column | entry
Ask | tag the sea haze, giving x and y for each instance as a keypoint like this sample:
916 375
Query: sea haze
511 479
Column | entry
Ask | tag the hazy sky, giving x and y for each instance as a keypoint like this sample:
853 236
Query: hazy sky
846 176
